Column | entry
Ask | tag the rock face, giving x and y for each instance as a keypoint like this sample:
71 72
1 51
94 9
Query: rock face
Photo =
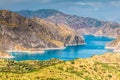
20 33
84 25
114 45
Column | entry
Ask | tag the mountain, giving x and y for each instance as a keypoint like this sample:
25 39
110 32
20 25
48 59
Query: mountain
84 25
42 13
59 17
114 45
23 34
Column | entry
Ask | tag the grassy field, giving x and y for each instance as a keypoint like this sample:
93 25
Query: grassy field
102 67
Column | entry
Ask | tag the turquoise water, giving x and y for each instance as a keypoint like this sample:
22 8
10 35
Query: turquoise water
94 45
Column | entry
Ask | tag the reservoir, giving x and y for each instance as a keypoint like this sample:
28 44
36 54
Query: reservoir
94 45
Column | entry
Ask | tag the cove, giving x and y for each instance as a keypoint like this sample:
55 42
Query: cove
94 45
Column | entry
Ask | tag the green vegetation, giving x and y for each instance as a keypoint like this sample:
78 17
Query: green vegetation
102 67
25 66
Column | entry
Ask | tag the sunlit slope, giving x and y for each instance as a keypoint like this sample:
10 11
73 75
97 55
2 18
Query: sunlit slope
99 67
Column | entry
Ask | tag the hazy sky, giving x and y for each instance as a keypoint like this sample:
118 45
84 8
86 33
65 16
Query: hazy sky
101 9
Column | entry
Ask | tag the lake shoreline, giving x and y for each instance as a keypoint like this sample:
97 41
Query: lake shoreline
40 52
69 53
31 52
6 57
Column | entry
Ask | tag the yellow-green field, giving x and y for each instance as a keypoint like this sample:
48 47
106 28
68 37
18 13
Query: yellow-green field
102 67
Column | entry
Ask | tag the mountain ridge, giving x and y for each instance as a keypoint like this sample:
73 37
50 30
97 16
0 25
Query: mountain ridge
42 12
83 25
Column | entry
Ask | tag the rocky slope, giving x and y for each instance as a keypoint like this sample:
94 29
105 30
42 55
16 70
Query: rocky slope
20 33
114 45
84 25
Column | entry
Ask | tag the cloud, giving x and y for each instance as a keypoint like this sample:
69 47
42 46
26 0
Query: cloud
96 9
98 3
92 4
115 3
84 3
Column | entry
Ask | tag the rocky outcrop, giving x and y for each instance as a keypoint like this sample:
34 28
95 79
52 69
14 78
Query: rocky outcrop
84 25
114 45
21 33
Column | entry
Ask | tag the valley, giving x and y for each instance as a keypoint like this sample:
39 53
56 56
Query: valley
60 40
48 29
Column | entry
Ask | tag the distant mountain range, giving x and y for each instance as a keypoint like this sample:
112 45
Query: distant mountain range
84 25
22 34
59 17
42 13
